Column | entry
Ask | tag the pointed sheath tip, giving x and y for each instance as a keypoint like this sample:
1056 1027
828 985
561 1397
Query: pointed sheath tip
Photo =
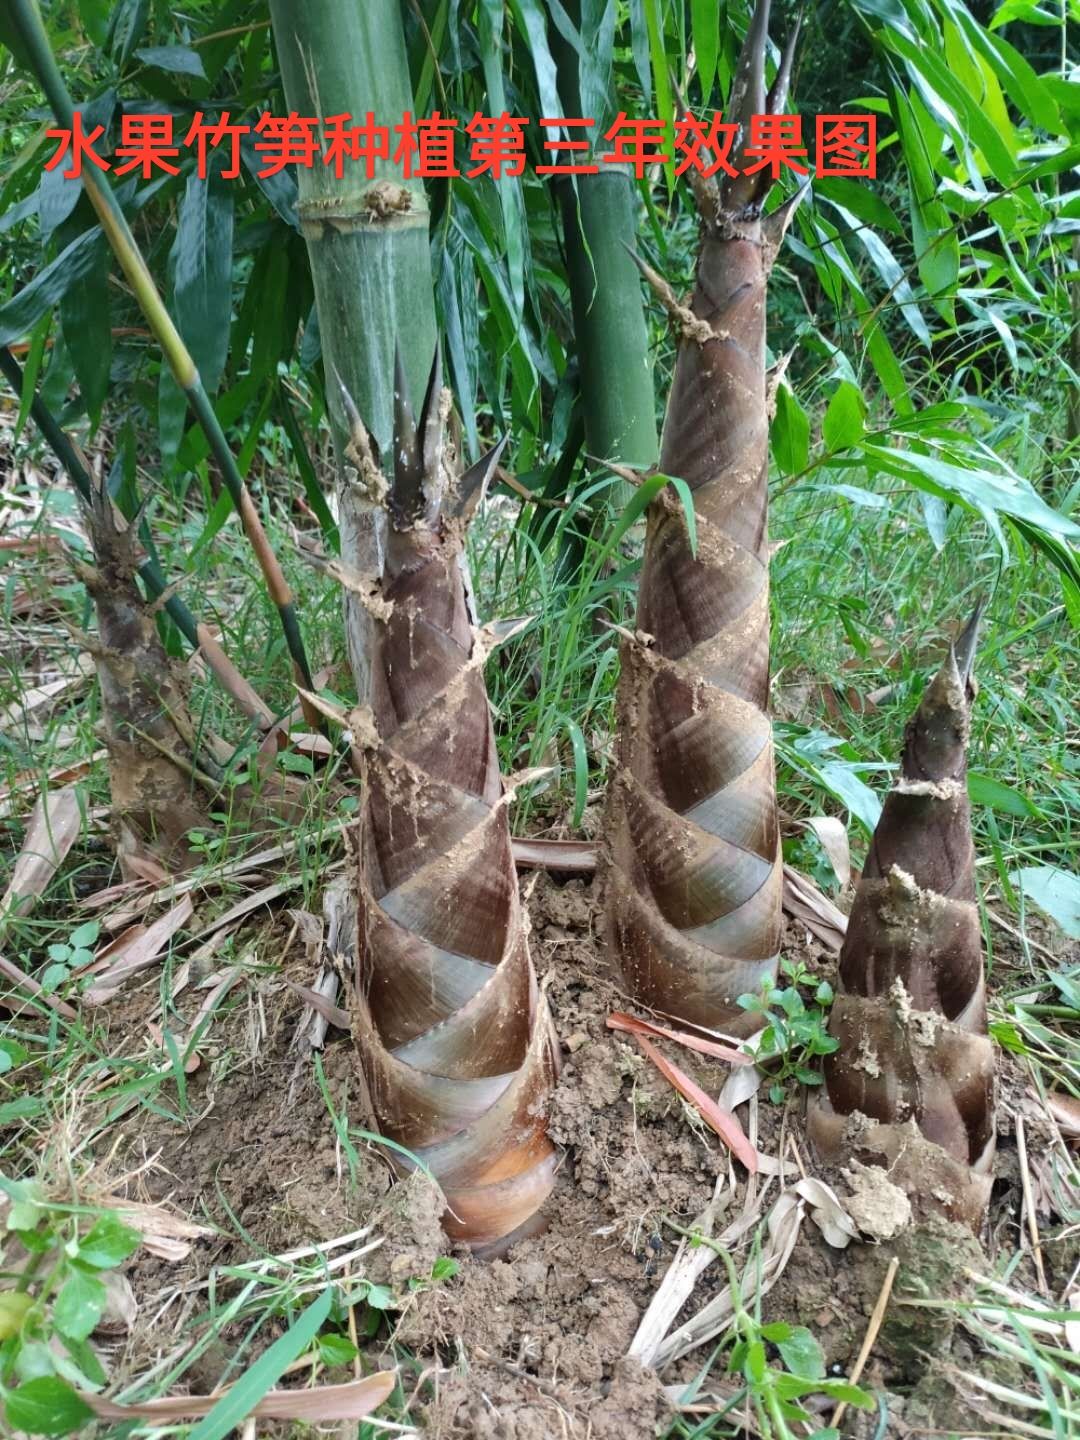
966 643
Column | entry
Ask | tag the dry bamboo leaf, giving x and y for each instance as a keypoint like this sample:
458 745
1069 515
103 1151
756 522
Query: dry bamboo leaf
567 857
249 903
834 841
631 1025
804 902
1066 1111
722 1121
321 1403
322 1006
53 829
827 1212
760 1275
10 795
143 952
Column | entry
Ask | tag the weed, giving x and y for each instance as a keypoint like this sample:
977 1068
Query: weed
794 1033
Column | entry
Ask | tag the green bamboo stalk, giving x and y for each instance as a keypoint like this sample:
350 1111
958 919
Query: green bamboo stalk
599 234
369 249
28 25
193 630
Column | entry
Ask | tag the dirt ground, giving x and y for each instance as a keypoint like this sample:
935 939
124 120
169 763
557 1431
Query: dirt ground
531 1345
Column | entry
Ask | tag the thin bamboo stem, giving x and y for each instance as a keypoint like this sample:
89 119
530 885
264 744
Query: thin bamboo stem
31 31
193 630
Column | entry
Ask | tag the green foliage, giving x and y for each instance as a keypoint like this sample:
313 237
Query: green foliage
51 1301
794 1033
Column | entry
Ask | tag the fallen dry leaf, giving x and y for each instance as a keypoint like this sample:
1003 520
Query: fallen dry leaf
722 1121
834 841
322 1402
143 952
803 901
632 1025
827 1213
53 829
569 857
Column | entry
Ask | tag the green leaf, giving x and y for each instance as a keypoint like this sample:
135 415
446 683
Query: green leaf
802 1354
754 1366
843 424
86 935
982 790
46 1406
985 490
87 325
52 977
22 312
336 1350
176 59
79 1305
790 433
108 1243
705 15
126 26
778 1331
1057 892
202 280
261 1376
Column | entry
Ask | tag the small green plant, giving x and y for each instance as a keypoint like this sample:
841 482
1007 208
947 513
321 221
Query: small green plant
70 956
774 1391
794 1033
53 1293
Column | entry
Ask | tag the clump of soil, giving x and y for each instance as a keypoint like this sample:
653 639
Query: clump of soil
532 1344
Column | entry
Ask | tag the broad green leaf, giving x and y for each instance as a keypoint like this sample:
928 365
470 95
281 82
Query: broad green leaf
202 279
127 25
802 1354
79 1305
705 16
986 490
982 790
336 1350
74 263
46 1406
87 324
937 249
790 433
176 59
843 424
86 934
261 1376
108 1243
1057 892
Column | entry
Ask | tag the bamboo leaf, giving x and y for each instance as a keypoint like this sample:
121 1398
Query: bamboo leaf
260 1377
984 489
126 27
22 312
86 321
790 433
844 419
175 59
705 18
202 283
1055 891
